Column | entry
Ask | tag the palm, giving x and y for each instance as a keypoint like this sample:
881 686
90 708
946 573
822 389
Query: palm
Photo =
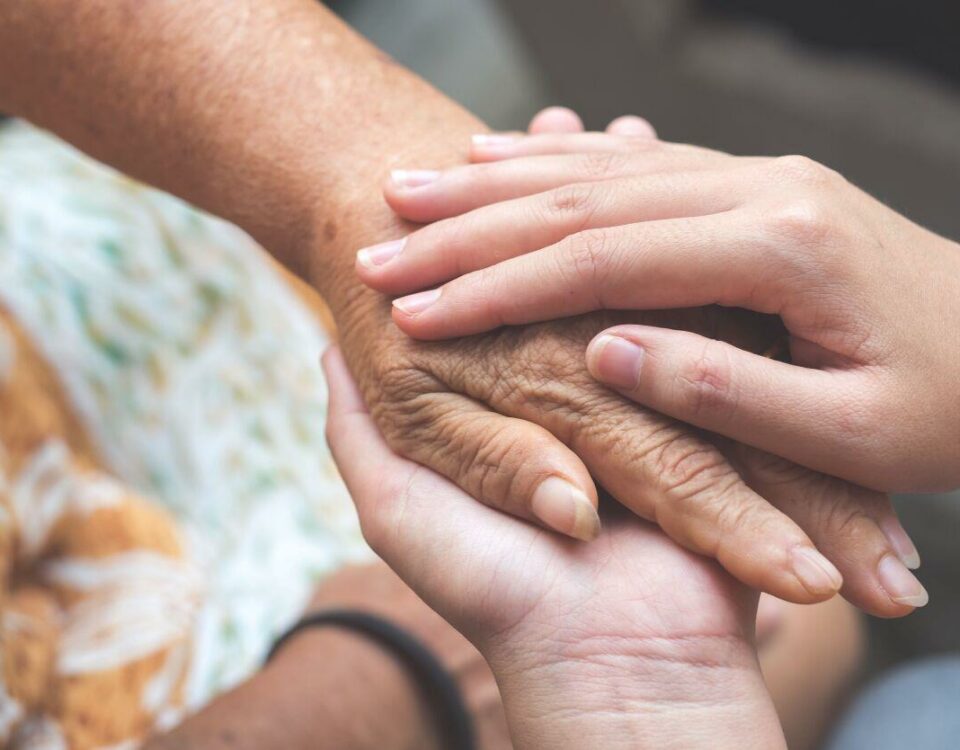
493 577
631 617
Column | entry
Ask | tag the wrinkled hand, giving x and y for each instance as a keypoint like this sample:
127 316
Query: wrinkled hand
752 511
612 628
871 300
377 589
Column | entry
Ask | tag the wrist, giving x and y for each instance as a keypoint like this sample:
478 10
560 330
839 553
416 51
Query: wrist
618 692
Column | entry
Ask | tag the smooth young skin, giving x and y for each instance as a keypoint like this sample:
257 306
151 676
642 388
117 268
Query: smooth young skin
276 116
623 643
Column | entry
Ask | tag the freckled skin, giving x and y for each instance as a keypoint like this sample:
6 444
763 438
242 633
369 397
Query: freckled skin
277 117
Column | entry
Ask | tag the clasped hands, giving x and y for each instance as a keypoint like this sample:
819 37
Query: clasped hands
782 477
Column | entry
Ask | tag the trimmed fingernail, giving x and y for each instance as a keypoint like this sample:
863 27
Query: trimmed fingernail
417 303
817 574
900 584
378 255
494 139
412 178
617 362
901 542
565 508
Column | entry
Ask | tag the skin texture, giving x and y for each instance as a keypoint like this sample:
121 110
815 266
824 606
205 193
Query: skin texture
561 232
626 642
277 117
874 398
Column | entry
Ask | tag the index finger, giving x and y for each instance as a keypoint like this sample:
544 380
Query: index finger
651 265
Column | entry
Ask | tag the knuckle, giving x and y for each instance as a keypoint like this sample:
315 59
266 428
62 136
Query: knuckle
601 164
405 407
485 460
701 499
802 170
587 258
690 469
839 515
803 222
706 384
572 204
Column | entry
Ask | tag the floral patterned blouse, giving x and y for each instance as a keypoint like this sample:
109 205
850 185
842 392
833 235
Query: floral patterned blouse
191 365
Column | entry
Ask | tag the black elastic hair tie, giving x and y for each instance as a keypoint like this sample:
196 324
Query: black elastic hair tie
453 719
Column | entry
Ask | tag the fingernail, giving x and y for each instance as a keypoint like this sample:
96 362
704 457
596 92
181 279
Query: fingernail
417 303
494 139
377 255
900 584
617 362
816 573
565 508
412 178
901 542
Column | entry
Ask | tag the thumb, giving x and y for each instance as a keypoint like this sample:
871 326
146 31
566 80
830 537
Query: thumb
781 408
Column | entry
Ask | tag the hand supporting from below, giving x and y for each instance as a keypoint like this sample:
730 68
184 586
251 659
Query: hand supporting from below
626 642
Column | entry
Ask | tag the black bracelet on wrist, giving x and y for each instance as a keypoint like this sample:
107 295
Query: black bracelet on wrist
453 720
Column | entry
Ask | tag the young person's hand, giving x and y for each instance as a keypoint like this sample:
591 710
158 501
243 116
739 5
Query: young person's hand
628 641
290 147
854 527
871 300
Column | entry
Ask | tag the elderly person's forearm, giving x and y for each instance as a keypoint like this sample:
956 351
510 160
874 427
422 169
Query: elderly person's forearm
261 112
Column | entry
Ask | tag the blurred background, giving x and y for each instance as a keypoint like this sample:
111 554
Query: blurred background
868 87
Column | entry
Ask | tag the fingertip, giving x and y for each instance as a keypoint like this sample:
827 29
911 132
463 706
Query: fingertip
615 361
631 125
410 324
410 193
815 573
486 147
565 507
780 577
901 586
899 540
556 120
372 263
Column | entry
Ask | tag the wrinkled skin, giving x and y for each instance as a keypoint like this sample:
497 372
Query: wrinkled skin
599 645
440 404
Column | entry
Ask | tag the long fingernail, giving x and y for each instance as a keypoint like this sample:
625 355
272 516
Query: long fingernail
817 574
565 508
901 542
413 178
617 362
378 255
417 303
900 584
494 139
